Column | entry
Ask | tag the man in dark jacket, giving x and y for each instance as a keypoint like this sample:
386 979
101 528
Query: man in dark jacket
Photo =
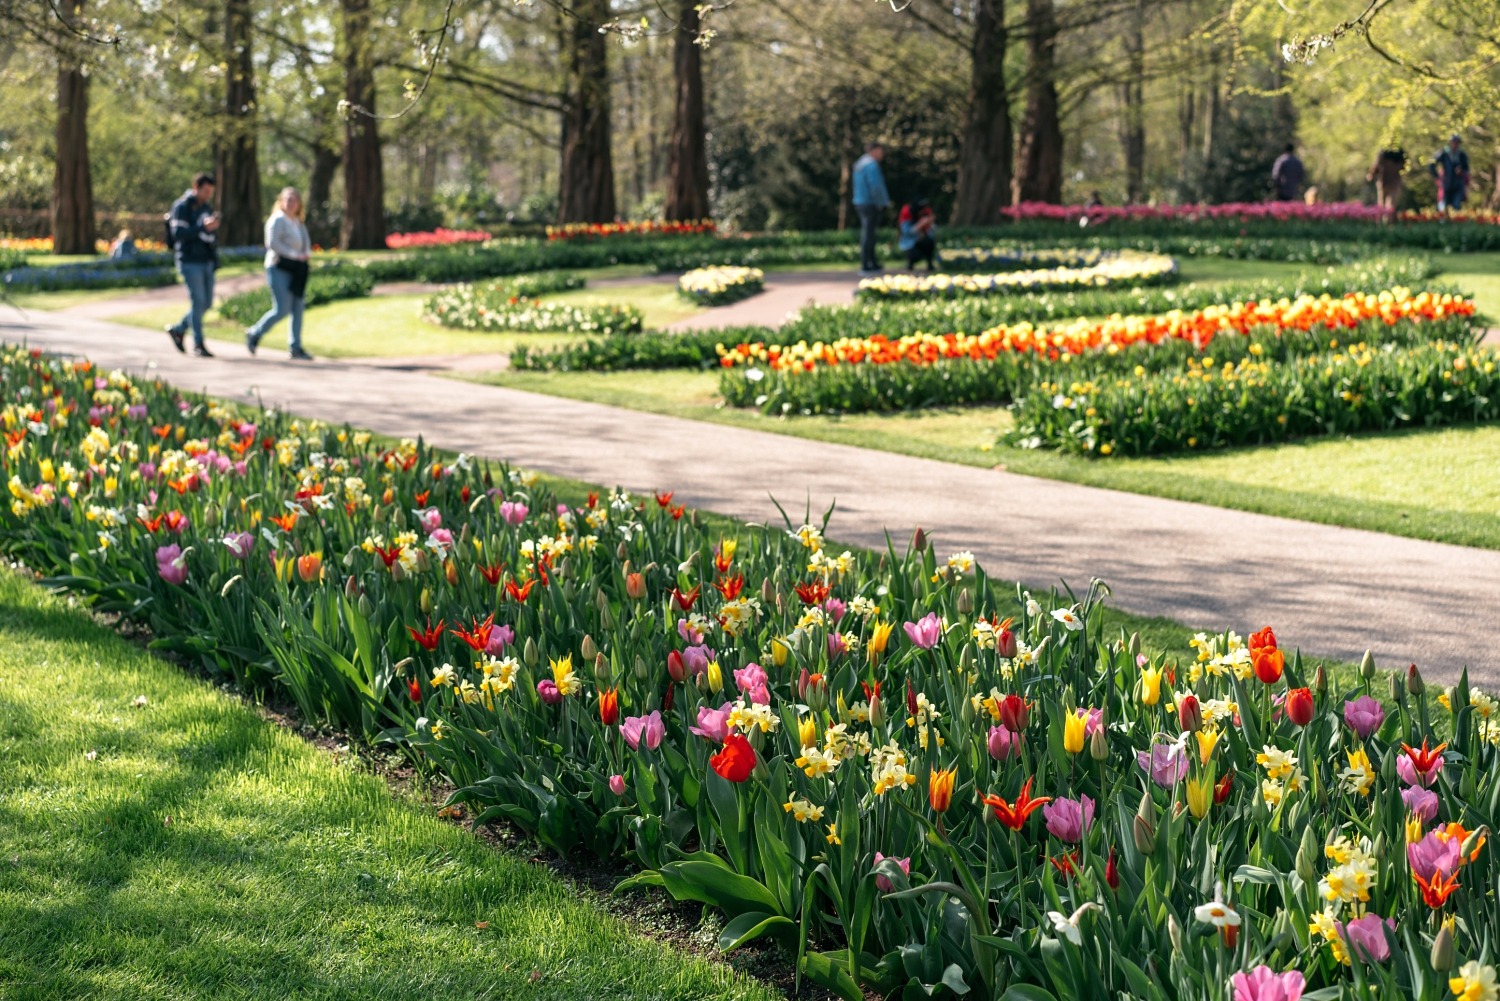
1451 168
194 227
1287 175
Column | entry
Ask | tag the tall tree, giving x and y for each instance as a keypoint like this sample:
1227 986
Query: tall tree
1133 101
1039 158
72 180
984 159
237 163
364 176
687 159
586 174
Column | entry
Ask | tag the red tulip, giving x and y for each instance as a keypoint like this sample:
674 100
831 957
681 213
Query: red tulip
609 706
1013 815
674 666
737 759
1222 788
414 690
1112 871
1190 714
1014 713
1299 706
1263 639
1269 663
429 638
1005 640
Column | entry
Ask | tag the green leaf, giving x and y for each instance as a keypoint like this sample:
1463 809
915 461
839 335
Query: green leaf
825 971
1030 992
752 925
716 885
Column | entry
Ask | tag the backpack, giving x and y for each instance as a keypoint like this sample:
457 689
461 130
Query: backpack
170 240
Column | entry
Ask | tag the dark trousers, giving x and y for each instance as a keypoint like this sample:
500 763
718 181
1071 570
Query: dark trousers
869 217
924 249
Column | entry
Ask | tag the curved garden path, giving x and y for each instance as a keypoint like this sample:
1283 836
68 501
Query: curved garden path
1331 591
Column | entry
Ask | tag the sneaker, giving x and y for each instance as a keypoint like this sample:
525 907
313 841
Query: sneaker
300 355
176 334
201 351
250 342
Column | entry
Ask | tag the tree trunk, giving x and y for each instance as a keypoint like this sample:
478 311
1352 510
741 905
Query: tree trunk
687 159
319 194
1187 116
1132 93
72 182
984 157
587 175
1039 159
237 167
364 178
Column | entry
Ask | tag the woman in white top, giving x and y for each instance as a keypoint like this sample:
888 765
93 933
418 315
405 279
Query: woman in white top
288 248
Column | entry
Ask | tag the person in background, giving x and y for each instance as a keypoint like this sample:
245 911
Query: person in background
123 249
288 248
917 235
1451 168
870 199
1094 202
1288 175
1386 173
193 228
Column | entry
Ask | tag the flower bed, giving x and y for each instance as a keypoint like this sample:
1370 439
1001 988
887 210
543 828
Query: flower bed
439 237
324 285
503 306
949 785
1361 387
879 373
1124 267
719 286
599 231
1017 258
145 270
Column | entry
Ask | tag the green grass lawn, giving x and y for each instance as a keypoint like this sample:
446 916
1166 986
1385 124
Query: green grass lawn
1430 484
65 298
1476 274
208 853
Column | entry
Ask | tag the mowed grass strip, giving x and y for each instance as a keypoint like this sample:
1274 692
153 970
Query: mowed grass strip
207 853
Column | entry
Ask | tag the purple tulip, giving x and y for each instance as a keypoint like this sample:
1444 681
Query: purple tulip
147 471
836 645
136 411
171 565
1069 819
651 728
239 543
1166 764
1434 855
835 609
713 724
1364 716
883 881
1366 937
547 689
695 659
1004 744
925 632
1423 803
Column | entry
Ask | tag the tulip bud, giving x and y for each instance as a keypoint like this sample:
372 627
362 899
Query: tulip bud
424 562
588 648
450 573
1189 714
1388 771
642 672
715 677
1014 713
1098 744
1307 854
1474 840
1174 932
817 693
397 573
635 586
877 712
621 551
965 602
841 707
366 606
601 600
565 572
1134 647
351 588
530 656
674 666
966 660
1378 848
1144 833
767 592
966 712
1367 666
1442 950
601 669
1414 683
919 541
1398 690
425 602
1005 642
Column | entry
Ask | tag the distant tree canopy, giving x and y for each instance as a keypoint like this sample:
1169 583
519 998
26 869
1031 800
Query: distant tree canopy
481 112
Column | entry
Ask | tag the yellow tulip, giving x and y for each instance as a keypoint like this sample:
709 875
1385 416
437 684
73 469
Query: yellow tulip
1200 793
1150 686
1206 742
880 635
1075 730
715 677
780 652
807 731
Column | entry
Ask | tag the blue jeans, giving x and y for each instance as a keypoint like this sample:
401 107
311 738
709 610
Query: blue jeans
283 303
199 279
869 218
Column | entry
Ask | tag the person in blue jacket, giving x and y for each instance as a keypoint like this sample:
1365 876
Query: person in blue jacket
193 228
870 199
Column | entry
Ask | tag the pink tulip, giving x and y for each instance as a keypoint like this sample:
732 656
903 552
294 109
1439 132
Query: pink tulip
689 635
500 638
835 609
925 632
836 645
1409 774
441 539
1364 716
547 689
617 784
1367 939
1004 744
171 566
1264 984
713 724
883 881
695 659
431 519
1434 854
513 512
651 728
1069 819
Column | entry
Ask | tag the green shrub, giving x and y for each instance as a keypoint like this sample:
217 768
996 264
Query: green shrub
323 285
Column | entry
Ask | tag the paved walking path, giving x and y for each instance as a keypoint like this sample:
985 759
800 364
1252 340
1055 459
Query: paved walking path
1331 591
785 292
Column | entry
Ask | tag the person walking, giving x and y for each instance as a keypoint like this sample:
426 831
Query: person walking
917 235
124 248
1288 175
870 199
1451 168
192 230
288 248
1386 173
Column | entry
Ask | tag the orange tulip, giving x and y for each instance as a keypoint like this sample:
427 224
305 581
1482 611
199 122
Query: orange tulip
940 788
